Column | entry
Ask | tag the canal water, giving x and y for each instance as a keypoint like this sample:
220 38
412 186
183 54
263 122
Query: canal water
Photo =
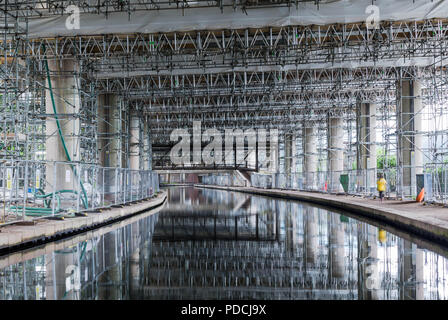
212 244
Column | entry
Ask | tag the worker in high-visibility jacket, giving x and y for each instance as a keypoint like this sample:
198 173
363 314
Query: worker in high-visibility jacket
381 186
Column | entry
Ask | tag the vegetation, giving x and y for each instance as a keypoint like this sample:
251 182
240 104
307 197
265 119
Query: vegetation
382 162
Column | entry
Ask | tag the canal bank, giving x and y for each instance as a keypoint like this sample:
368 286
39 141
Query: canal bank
30 233
429 221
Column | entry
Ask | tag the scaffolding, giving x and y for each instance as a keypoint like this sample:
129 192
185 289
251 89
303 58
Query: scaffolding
289 78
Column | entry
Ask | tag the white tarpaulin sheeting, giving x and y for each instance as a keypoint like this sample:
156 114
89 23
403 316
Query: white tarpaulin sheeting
337 11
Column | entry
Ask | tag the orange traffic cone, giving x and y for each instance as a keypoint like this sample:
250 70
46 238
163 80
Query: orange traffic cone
421 195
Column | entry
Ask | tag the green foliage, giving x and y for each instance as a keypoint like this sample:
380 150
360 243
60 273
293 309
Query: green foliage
382 162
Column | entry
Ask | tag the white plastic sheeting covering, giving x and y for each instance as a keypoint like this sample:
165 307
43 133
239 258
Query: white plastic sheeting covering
337 11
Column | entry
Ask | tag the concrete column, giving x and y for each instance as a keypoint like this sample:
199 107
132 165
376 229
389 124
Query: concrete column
335 153
310 157
409 125
134 142
274 157
290 158
366 148
147 148
67 104
109 140
290 153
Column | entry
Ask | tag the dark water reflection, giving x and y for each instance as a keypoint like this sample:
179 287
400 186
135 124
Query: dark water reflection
210 244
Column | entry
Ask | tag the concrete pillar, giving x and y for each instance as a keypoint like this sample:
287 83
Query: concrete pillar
310 157
147 147
109 137
274 157
312 233
335 153
409 126
134 142
290 152
67 104
366 148
290 158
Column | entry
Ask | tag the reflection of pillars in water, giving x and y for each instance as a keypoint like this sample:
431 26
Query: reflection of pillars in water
411 271
405 268
336 244
109 279
419 276
62 270
368 274
146 255
182 195
311 234
134 259
290 226
277 221
134 268
270 220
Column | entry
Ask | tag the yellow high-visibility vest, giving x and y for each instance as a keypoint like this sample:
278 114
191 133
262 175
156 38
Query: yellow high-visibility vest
381 184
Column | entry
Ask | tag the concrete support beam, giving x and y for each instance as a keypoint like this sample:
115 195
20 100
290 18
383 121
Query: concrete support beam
335 153
409 127
310 156
366 147
67 102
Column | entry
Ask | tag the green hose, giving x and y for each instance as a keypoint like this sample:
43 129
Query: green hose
47 210
84 199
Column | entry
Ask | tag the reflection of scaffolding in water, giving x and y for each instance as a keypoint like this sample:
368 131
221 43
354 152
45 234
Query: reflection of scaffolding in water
102 267
237 270
125 263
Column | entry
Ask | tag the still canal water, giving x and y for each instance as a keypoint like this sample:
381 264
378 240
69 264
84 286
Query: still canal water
211 244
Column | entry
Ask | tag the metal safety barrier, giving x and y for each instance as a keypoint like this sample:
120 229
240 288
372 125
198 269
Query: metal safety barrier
35 189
